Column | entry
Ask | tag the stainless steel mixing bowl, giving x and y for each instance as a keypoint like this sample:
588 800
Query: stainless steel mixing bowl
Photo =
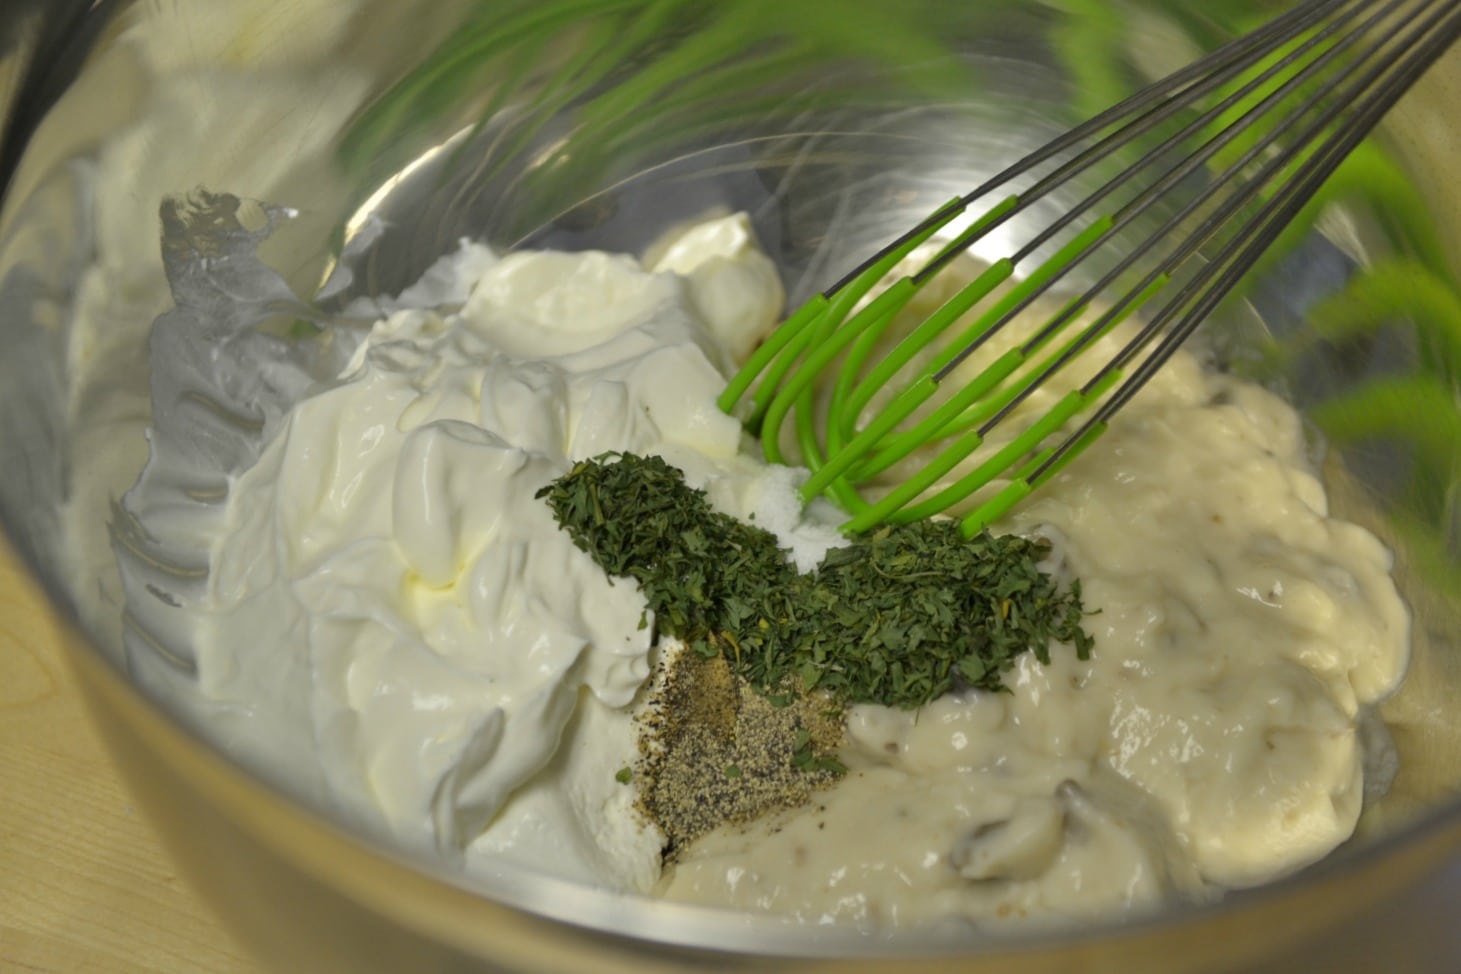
394 128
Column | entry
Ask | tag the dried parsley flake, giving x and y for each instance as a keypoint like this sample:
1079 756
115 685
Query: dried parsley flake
899 617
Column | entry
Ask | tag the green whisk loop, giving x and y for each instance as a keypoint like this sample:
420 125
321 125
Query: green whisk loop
900 420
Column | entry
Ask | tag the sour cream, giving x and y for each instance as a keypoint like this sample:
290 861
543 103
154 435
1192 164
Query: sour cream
386 596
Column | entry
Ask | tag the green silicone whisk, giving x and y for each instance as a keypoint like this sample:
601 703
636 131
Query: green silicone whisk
1256 126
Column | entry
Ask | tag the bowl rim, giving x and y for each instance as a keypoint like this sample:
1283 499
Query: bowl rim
636 916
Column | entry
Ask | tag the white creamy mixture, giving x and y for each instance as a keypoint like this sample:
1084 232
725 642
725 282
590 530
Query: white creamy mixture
389 601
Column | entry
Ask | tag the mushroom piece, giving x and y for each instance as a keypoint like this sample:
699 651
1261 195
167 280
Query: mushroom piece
1019 847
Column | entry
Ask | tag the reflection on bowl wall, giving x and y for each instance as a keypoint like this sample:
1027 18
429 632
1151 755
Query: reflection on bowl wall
395 129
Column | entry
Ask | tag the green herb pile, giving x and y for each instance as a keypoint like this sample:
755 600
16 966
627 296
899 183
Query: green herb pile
898 617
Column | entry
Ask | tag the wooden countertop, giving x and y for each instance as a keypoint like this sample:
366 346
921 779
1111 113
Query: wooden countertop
84 886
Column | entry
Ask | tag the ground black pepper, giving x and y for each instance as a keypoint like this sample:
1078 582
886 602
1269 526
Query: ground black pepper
714 751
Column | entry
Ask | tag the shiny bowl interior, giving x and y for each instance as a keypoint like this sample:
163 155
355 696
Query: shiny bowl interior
394 129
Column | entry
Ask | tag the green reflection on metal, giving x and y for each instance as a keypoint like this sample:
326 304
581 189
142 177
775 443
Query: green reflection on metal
696 67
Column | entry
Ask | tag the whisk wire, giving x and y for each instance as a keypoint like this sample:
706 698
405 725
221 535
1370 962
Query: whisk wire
1286 205
1257 234
1065 259
1207 72
1320 76
1187 167
1216 220
960 413
1208 289
1224 137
